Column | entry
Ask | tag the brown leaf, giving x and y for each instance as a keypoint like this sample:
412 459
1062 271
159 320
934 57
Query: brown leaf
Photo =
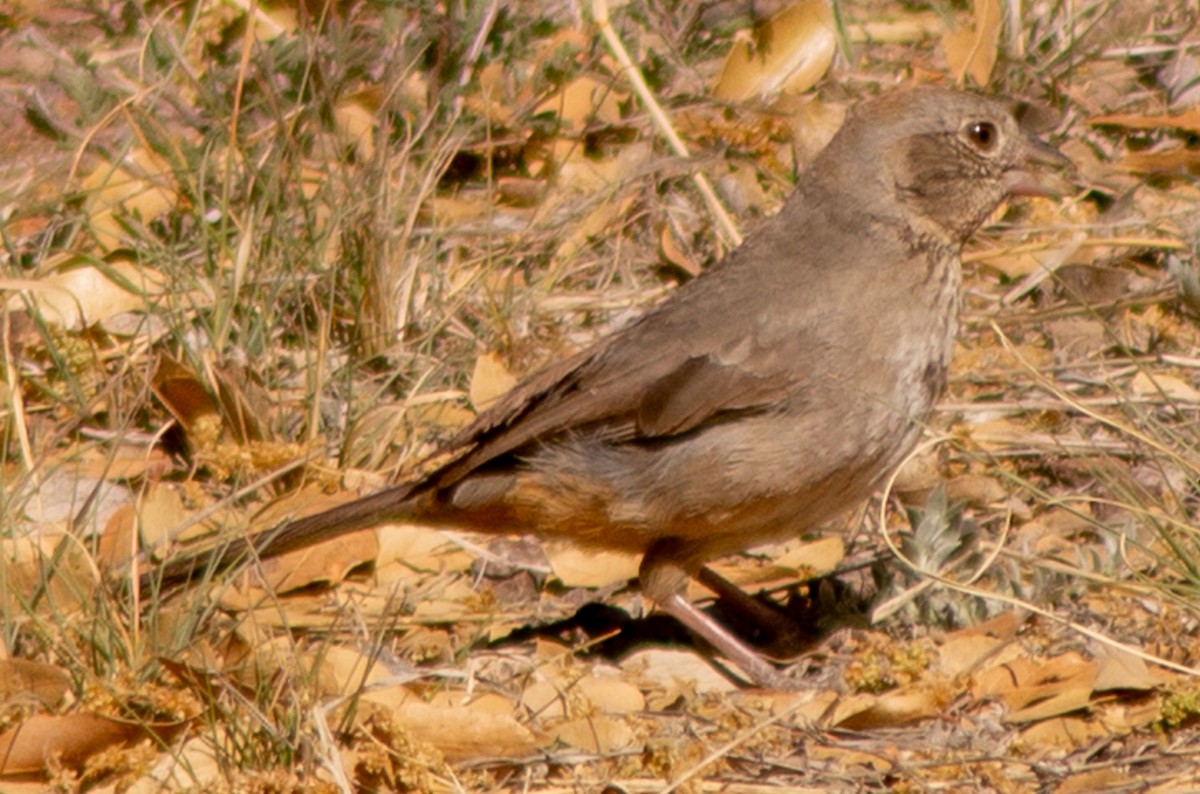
583 101
864 712
81 292
463 733
596 734
1188 121
71 739
674 672
142 184
1062 732
23 680
973 52
1121 670
185 396
578 567
324 563
489 381
1035 689
961 655
791 52
1178 161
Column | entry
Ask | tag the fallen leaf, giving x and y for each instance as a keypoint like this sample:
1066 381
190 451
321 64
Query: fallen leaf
84 291
674 672
70 739
1118 669
1188 121
960 655
596 734
891 26
24 681
464 733
973 52
1163 386
846 759
140 185
324 563
791 52
354 119
865 712
1110 779
66 496
575 566
583 101
489 381
1053 735
611 695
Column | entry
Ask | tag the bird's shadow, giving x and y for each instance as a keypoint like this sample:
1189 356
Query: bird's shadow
807 612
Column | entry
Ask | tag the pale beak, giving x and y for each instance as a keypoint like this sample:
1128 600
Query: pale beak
1040 173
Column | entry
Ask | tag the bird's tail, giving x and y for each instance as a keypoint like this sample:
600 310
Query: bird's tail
388 505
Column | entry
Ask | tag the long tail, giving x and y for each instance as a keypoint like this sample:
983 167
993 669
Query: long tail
390 504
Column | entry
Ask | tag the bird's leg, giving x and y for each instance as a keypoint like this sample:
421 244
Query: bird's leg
784 631
664 576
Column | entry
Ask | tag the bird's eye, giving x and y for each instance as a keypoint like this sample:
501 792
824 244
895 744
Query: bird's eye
982 134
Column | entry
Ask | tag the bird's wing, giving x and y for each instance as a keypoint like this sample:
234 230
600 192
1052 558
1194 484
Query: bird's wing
673 379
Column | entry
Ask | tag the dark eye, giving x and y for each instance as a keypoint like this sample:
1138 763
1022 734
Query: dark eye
983 134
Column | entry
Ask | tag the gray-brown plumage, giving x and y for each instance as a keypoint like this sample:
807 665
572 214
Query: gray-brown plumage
759 400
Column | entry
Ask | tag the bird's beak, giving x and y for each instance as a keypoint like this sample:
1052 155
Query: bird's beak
1042 171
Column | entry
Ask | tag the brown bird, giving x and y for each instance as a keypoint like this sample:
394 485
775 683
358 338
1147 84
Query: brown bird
761 399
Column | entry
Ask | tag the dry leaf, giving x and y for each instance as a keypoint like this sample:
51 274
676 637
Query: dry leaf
142 185
342 670
959 655
544 700
674 253
354 119
464 733
973 52
124 462
1118 669
1179 161
1036 689
414 552
578 567
901 29
864 712
1188 121
596 734
1163 386
1053 700
611 695
70 739
584 101
1078 338
82 292
675 672
1109 779
194 766
25 682
489 381
159 510
979 490
847 759
817 557
186 397
1063 732
325 563
66 496
791 52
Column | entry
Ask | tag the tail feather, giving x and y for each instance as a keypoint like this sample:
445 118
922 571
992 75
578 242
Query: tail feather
387 505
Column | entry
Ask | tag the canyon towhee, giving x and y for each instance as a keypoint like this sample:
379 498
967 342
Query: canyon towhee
761 399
